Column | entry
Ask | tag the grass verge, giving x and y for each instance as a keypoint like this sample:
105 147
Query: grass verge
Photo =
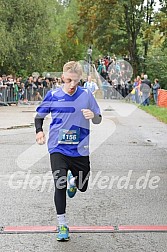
159 113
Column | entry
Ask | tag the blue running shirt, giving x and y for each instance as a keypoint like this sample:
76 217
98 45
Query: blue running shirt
67 117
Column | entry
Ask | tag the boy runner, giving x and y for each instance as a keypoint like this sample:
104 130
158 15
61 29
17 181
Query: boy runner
71 108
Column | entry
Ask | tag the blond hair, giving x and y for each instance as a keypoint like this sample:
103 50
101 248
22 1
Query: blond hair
73 67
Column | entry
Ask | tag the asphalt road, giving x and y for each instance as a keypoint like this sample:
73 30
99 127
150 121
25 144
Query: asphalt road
128 185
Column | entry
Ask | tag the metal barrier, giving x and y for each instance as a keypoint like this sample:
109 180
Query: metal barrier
8 95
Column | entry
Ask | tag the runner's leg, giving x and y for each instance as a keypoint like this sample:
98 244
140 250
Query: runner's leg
59 166
80 168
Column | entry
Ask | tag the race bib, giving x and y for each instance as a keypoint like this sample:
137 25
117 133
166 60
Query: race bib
68 136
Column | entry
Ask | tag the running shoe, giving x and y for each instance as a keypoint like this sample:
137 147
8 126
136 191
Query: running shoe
63 233
71 189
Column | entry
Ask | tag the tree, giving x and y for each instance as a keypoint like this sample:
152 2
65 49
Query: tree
113 24
28 36
72 44
156 63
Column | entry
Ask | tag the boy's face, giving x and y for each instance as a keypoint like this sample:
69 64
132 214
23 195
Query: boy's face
71 81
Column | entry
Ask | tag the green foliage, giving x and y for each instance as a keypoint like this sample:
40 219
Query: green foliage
27 40
156 65
41 35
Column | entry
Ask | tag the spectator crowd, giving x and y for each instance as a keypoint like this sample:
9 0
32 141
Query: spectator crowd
117 82
114 78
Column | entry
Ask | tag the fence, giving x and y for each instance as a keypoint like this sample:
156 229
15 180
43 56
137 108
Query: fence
8 95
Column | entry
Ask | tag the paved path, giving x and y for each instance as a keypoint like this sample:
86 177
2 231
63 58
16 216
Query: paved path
128 144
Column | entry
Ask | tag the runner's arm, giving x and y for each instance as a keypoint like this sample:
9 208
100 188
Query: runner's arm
38 123
89 114
40 136
42 111
96 119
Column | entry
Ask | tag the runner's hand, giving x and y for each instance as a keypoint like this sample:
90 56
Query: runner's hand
40 138
87 113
